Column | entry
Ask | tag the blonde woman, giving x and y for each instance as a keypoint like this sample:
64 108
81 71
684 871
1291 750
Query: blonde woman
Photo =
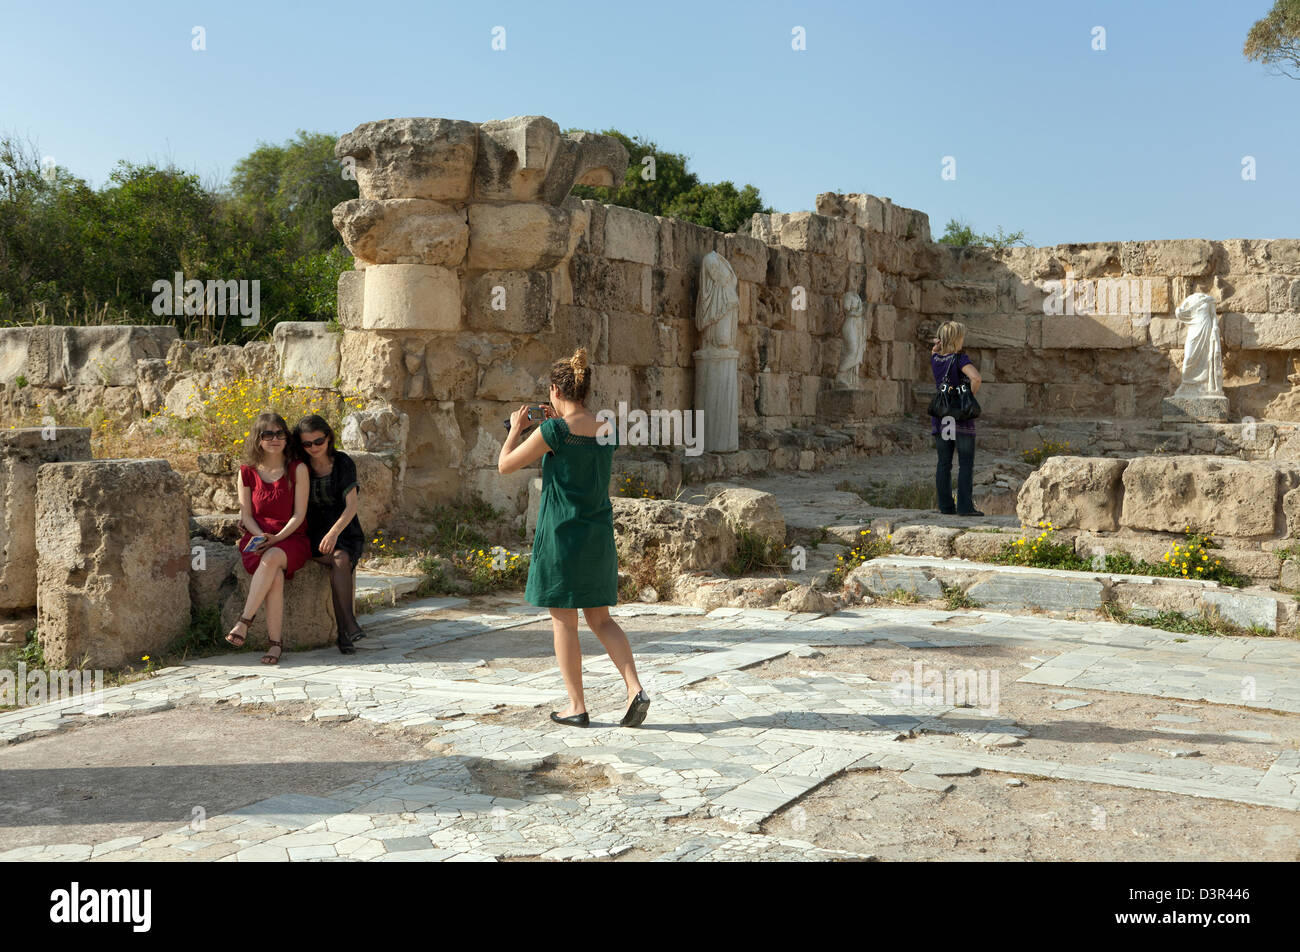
574 563
950 365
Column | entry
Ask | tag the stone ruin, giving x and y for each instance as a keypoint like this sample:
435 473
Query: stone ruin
475 268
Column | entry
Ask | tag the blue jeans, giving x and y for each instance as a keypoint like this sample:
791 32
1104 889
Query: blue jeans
965 447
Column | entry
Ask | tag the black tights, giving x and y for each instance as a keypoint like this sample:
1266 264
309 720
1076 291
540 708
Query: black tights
341 568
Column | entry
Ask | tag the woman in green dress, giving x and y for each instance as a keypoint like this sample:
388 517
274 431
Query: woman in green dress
574 563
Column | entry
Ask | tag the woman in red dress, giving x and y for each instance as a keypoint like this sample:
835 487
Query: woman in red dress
273 488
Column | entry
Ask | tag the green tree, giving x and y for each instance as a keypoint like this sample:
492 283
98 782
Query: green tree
296 184
673 190
1275 40
961 235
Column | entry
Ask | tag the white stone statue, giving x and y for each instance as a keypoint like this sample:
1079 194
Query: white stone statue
717 362
1202 356
854 344
717 308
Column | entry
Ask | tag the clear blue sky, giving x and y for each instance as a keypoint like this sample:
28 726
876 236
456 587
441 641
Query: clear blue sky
1144 140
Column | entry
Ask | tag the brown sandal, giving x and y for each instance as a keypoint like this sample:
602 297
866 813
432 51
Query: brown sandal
270 645
234 634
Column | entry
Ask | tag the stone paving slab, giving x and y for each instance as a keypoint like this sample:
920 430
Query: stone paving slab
724 743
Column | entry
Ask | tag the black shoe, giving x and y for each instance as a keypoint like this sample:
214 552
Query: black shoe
345 645
574 720
636 710
948 512
357 635
973 512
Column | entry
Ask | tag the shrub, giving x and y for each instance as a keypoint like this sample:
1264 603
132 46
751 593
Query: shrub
868 547
756 552
1045 449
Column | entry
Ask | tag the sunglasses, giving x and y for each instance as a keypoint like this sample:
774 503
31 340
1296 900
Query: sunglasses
322 440
272 435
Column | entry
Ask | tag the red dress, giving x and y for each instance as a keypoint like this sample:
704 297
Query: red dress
272 510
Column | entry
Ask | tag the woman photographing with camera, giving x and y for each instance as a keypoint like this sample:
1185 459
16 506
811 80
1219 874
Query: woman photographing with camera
574 562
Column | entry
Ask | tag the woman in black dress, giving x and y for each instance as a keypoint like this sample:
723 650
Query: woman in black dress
332 523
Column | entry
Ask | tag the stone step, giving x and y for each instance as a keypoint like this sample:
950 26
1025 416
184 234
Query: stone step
1020 588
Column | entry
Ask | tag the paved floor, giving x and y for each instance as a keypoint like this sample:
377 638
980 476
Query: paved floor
727 744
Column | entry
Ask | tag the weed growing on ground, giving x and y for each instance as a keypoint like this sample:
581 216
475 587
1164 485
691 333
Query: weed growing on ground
1045 449
754 552
868 547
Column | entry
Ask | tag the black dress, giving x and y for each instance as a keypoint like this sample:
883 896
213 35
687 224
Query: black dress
326 503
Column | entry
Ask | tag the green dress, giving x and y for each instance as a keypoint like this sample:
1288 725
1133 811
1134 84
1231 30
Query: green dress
574 563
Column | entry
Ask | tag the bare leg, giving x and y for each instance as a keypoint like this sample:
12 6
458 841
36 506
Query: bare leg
568 652
268 569
616 646
275 613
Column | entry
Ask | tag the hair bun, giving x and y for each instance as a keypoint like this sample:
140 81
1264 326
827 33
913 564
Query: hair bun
579 362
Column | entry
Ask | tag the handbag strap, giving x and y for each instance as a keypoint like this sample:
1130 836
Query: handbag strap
948 370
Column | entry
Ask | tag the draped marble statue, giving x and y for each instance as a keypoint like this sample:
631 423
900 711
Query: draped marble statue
1200 393
854 342
717 385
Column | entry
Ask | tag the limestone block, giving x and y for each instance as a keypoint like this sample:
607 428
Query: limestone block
1192 257
13 354
773 398
517 302
1217 494
402 231
1061 331
370 363
1243 608
751 510
308 354
875 578
584 158
308 610
212 573
680 537
450 374
996 398
412 158
631 235
995 330
514 157
22 452
1283 255
925 540
377 488
1005 591
1262 331
982 545
747 256
523 236
632 338
112 548
1283 295
1074 491
505 381
411 297
106 356
351 299
534 506
507 493
948 297
799 231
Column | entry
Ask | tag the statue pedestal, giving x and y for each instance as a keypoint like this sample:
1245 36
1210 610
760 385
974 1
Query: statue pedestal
844 405
717 393
1204 409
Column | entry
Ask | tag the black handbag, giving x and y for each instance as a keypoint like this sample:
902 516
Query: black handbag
957 402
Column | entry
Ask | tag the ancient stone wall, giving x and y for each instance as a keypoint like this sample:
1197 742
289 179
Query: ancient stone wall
1113 349
475 269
